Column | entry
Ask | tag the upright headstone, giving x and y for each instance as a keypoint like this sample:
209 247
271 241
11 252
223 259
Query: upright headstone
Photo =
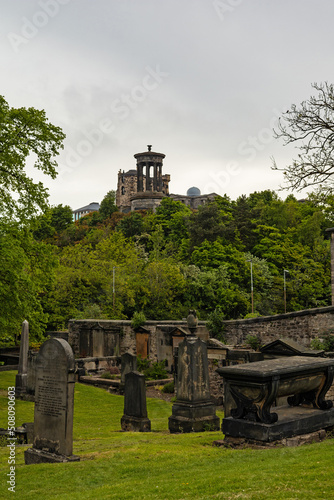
21 377
54 398
193 410
135 410
128 364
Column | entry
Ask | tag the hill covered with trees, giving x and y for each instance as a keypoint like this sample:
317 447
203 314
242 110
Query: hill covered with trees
163 263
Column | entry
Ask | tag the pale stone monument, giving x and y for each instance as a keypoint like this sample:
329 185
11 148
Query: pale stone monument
54 398
193 410
135 411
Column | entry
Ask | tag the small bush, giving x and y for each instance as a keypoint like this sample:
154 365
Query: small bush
107 375
215 324
317 344
138 319
152 370
328 342
253 342
114 370
168 388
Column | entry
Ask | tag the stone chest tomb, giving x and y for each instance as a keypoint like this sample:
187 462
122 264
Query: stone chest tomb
251 390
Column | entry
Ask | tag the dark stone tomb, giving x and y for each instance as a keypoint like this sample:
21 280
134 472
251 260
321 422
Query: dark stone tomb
54 397
251 389
193 410
135 411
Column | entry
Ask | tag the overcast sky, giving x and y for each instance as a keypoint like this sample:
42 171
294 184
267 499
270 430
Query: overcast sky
203 81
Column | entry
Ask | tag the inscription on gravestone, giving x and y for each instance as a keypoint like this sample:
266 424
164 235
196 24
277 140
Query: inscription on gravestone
51 400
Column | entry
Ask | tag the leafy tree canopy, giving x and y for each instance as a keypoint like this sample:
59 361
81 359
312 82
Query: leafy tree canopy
25 135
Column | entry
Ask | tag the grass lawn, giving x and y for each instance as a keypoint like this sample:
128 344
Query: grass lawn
159 465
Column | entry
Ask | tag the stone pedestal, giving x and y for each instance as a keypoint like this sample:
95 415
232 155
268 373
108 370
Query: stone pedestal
135 411
54 398
193 410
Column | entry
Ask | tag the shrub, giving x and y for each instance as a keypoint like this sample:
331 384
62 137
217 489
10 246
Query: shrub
253 342
317 344
168 388
328 342
114 370
215 324
152 370
138 319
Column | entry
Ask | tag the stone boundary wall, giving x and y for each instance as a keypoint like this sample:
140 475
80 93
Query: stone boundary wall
300 326
119 336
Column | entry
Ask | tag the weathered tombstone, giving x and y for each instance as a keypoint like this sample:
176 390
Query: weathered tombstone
54 398
193 410
21 377
128 364
135 411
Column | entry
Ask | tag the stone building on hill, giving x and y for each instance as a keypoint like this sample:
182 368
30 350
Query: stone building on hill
145 187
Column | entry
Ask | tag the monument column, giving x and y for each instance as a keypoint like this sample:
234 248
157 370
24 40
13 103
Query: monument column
139 177
159 177
155 177
148 178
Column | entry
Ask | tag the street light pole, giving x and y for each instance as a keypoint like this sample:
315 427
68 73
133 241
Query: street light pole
252 292
113 288
284 272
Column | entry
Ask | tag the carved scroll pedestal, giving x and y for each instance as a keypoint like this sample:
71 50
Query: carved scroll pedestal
252 389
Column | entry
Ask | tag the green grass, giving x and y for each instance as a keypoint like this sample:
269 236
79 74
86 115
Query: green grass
159 465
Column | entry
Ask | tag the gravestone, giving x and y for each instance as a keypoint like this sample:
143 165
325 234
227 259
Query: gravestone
21 377
128 364
135 411
193 410
54 398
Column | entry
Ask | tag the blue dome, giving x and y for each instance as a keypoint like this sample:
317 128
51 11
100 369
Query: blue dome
193 191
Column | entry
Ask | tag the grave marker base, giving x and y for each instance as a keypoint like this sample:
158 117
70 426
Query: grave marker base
187 417
35 456
135 424
292 421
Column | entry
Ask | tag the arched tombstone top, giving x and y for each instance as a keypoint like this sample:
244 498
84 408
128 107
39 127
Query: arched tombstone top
58 350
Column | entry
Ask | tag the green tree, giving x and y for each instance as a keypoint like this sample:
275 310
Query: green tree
108 205
26 273
25 134
208 223
54 220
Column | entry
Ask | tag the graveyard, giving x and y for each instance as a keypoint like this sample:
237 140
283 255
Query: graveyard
127 465
91 443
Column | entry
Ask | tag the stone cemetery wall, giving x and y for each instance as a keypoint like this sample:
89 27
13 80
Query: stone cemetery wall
105 338
93 338
301 326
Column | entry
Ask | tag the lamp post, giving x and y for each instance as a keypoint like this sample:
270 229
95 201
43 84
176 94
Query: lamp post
252 293
284 272
113 288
